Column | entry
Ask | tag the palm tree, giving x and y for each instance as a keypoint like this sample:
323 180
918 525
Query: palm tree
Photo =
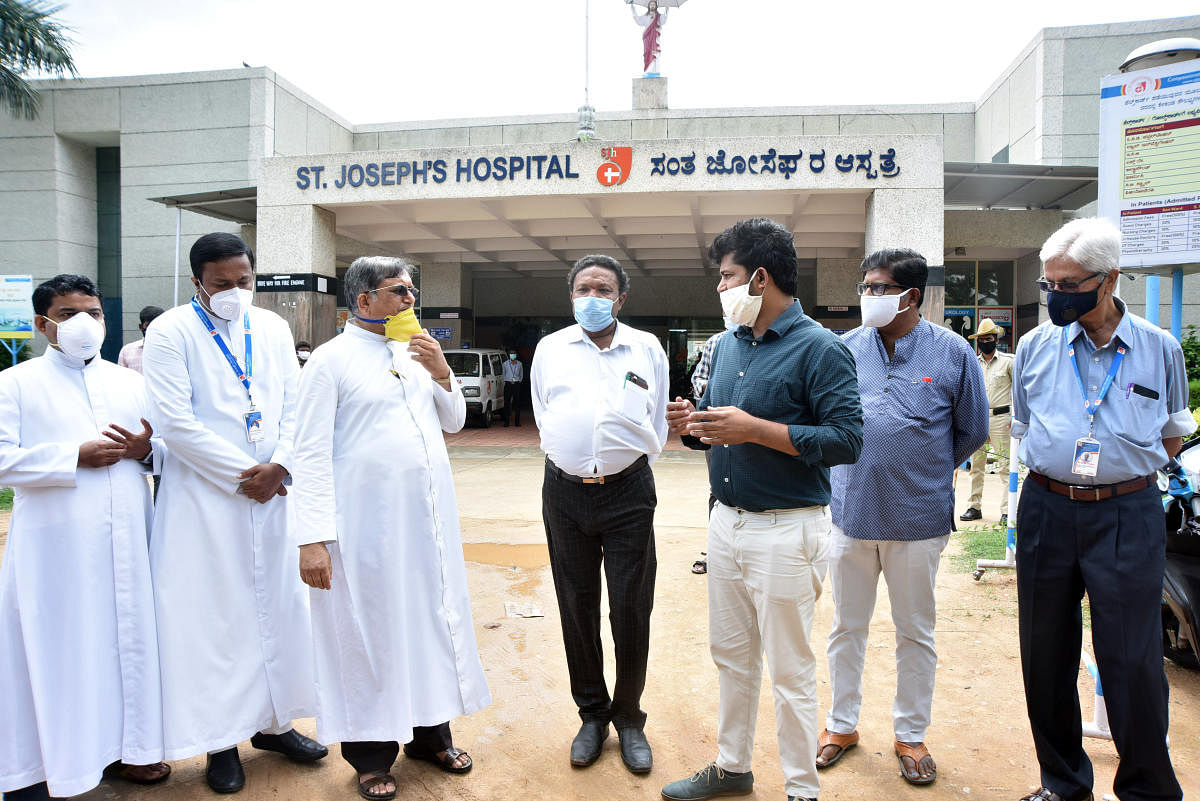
29 42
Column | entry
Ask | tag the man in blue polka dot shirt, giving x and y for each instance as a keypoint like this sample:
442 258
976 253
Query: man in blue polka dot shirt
925 410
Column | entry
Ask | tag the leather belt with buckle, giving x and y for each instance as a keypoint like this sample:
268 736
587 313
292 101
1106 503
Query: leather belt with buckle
637 465
1098 492
1000 410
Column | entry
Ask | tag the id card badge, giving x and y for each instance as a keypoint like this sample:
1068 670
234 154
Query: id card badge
1087 457
254 429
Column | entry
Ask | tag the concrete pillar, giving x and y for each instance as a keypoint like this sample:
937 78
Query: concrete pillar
300 241
649 93
912 218
446 302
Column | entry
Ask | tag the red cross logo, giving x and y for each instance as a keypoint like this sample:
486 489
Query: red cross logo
616 167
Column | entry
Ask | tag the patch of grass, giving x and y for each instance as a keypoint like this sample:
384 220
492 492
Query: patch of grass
987 542
978 542
6 499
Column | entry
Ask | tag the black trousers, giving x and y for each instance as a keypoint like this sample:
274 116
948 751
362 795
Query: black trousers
34 792
609 525
378 757
1115 550
512 401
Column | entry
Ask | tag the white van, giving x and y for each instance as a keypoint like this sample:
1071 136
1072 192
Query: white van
479 374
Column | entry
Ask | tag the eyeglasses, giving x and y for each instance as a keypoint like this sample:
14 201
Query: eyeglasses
877 289
1064 286
400 290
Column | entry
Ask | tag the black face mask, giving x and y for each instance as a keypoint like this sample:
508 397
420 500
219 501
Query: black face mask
1067 307
987 347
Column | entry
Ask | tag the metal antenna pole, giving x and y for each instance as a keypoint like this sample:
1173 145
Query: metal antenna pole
587 50
587 114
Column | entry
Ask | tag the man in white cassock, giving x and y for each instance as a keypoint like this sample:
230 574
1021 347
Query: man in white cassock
233 627
396 658
79 686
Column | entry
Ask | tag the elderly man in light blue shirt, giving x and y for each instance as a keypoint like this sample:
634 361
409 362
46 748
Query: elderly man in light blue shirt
1099 404
925 410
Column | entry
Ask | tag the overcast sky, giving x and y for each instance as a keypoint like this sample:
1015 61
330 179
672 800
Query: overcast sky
388 60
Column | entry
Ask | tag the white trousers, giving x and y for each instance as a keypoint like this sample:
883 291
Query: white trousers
910 570
764 578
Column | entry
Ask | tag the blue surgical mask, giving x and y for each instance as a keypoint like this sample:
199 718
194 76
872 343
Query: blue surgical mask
1067 307
593 313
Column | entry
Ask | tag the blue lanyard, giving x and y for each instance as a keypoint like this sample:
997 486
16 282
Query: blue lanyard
1093 406
244 377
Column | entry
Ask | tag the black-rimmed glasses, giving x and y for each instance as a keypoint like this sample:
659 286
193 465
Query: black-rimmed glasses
877 289
1064 286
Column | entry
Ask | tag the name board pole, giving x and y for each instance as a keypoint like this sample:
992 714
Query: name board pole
1177 303
1152 299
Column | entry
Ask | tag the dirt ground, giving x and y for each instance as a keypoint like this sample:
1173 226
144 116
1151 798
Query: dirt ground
979 736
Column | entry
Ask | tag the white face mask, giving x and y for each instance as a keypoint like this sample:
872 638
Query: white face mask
80 336
302 355
878 311
739 306
230 304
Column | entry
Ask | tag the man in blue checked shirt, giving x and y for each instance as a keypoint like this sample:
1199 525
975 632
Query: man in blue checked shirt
780 408
925 410
1099 404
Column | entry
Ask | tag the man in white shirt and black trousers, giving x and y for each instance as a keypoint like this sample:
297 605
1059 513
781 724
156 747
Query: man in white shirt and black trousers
600 399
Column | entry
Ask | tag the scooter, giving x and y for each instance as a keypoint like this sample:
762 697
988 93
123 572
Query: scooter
1181 578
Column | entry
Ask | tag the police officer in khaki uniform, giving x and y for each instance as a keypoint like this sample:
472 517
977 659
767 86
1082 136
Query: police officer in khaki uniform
997 376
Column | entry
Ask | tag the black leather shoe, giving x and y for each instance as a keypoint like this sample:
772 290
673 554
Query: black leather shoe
586 747
224 771
971 514
292 744
635 751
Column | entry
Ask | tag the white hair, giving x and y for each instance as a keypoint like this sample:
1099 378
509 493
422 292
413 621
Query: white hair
1093 243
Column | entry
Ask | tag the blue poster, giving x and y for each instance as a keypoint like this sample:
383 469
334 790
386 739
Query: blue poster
16 307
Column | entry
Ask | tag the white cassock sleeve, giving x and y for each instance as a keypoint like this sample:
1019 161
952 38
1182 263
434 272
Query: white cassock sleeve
535 386
451 406
169 385
46 464
312 462
662 389
282 455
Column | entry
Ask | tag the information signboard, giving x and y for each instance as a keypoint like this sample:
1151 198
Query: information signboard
16 307
1150 163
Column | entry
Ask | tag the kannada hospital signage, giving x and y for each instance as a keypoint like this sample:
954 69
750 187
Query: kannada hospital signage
859 163
616 169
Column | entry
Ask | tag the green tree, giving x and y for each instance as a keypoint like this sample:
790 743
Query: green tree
30 42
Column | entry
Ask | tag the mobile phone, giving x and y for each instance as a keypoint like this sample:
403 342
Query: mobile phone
633 378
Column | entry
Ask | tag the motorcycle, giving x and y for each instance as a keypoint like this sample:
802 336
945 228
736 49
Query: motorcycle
1181 578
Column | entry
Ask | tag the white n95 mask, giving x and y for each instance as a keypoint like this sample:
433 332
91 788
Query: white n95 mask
80 336
879 310
230 304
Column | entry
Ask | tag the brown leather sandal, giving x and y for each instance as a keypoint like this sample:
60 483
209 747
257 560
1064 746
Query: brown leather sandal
446 760
366 785
842 742
917 753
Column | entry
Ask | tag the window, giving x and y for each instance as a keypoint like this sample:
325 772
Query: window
980 289
464 364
